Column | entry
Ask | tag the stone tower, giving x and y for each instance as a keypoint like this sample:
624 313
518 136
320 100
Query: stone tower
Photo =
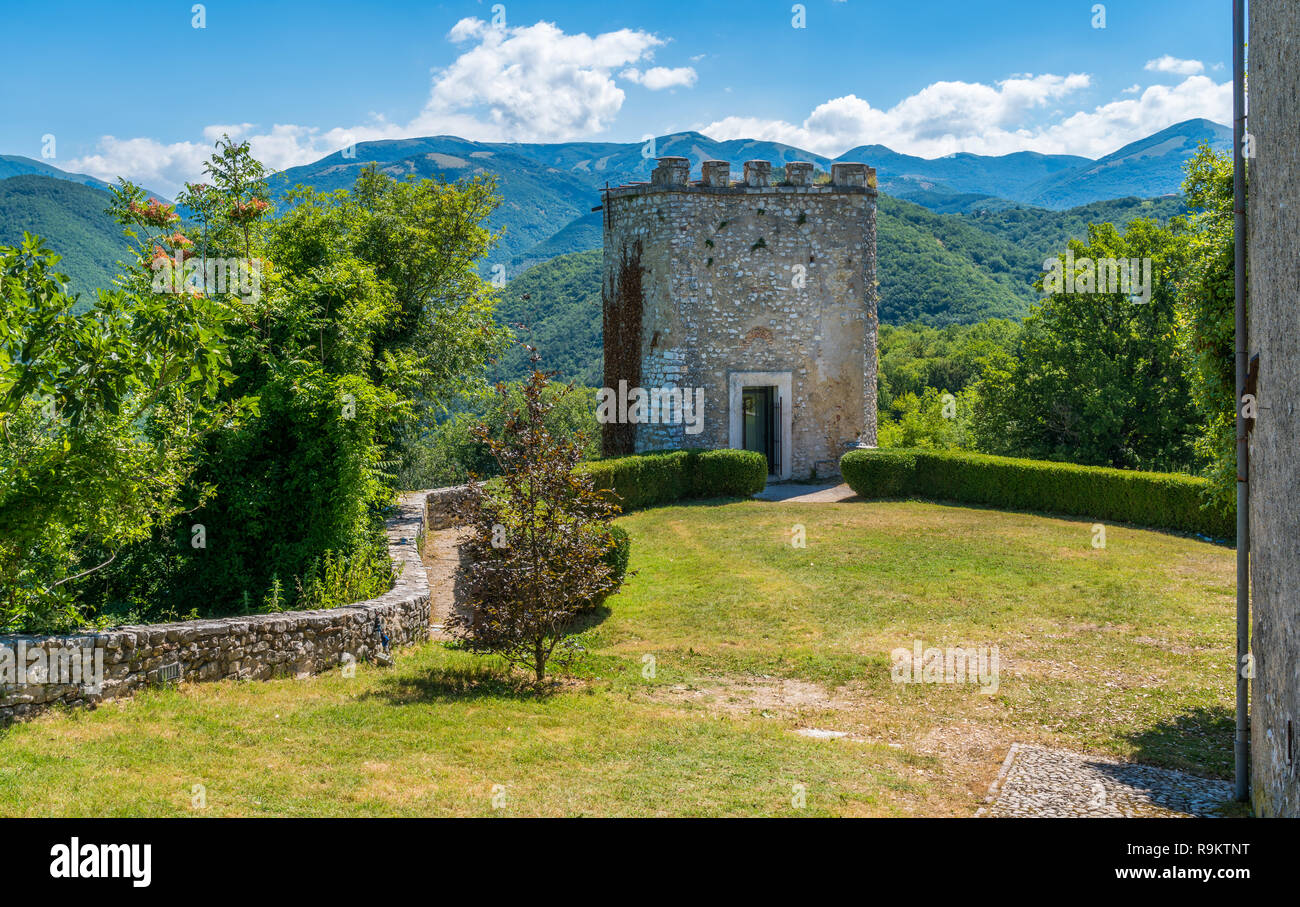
756 299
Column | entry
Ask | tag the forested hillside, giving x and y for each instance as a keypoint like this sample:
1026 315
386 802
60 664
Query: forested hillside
71 217
555 307
934 269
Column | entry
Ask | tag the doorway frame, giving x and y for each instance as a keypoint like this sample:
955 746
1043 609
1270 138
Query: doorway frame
783 382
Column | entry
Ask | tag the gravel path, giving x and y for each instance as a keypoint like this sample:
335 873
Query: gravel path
1038 782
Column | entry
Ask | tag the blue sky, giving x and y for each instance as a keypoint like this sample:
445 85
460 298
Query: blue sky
136 90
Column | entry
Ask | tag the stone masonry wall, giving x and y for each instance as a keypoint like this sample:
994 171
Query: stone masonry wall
755 276
1274 459
256 647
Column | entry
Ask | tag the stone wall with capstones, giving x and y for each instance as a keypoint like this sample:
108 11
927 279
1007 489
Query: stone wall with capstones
766 273
1274 171
256 647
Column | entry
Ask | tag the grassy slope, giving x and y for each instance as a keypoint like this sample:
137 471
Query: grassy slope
1125 650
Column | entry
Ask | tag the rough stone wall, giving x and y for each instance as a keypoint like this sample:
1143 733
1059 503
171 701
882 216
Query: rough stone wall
440 505
755 277
1275 442
256 647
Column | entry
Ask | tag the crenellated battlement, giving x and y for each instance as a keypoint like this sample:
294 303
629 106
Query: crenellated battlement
673 175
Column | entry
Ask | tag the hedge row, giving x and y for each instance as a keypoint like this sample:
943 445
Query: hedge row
648 479
1157 499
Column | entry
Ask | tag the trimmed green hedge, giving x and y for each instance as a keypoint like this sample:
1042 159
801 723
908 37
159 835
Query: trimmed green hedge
648 479
1157 499
617 557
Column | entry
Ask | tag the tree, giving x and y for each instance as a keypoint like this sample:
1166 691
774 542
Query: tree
1207 326
1099 379
449 453
355 312
935 420
538 540
98 416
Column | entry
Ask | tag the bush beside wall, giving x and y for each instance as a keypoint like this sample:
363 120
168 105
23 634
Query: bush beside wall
645 480
255 647
1159 500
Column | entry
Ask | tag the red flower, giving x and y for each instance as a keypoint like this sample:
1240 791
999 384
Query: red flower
245 211
182 242
155 213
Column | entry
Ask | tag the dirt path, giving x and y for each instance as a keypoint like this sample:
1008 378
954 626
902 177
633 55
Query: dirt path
794 493
441 556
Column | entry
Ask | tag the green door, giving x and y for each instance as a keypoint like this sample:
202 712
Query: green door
758 421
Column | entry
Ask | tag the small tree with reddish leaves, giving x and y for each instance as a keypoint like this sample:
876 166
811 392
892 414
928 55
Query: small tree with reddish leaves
538 541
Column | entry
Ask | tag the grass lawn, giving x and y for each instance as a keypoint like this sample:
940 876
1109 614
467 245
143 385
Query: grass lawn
1125 650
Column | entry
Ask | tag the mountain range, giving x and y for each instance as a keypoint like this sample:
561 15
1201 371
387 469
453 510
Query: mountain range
961 237
545 185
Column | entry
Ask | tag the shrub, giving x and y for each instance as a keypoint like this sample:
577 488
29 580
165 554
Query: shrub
649 479
300 496
538 542
1159 500
879 473
727 473
619 554
616 559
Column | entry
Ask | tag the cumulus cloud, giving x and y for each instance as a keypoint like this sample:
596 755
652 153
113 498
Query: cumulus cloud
145 161
532 83
659 77
1104 129
949 117
526 83
1175 66
939 119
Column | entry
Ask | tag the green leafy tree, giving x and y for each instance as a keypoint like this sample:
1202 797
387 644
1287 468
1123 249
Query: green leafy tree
935 420
370 312
453 451
99 413
916 357
1207 325
354 314
1099 379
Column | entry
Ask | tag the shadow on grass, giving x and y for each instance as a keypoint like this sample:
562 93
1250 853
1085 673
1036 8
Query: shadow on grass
1051 514
490 678
1198 741
686 502
590 619
461 683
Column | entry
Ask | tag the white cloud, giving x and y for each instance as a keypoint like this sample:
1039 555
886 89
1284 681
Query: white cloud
659 77
939 119
529 83
1175 66
1106 128
145 161
949 117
